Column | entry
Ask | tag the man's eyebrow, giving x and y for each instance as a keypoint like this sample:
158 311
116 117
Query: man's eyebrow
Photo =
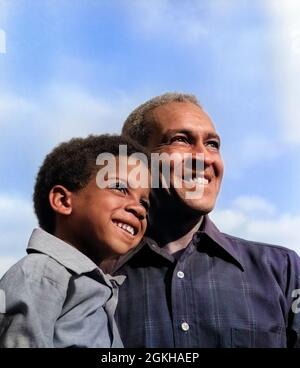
175 131
213 135
170 132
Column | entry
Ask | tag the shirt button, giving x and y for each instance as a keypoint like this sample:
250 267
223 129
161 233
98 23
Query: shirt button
180 274
185 326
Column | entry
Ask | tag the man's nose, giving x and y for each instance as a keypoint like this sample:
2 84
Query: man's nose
137 209
201 153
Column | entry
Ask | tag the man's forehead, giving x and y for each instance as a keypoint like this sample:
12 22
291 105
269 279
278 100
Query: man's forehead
181 115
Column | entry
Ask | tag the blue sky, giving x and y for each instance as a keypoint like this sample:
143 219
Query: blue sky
77 67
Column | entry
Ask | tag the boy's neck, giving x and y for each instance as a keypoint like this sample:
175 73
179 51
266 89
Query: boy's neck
73 240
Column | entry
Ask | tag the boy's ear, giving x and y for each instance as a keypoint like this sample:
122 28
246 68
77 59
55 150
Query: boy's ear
60 200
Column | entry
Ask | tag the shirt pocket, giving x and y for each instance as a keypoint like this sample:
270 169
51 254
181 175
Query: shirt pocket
257 338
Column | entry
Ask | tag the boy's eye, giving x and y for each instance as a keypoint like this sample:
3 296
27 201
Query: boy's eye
121 187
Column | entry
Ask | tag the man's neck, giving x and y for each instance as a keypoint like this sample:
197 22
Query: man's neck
181 243
174 234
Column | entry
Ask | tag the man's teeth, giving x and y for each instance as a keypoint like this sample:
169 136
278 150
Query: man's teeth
126 227
198 180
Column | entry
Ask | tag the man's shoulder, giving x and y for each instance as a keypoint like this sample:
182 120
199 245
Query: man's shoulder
260 248
33 268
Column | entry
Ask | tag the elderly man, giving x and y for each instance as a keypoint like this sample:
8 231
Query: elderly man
192 285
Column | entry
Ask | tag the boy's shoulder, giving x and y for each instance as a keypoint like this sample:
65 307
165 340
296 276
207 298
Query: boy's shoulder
35 267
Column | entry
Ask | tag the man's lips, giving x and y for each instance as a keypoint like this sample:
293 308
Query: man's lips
198 178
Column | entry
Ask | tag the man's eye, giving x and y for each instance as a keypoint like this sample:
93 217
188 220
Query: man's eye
179 138
214 144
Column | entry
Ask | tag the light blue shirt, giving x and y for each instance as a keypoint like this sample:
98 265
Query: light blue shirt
57 297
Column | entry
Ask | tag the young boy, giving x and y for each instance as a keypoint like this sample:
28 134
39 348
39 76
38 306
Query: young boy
57 296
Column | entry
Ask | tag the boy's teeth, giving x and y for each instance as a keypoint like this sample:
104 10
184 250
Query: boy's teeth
128 228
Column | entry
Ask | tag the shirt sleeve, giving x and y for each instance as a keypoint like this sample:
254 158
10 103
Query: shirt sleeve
293 298
31 303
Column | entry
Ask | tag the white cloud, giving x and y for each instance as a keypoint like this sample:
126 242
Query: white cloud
256 148
60 113
16 223
69 111
167 19
254 218
248 204
13 108
286 34
251 150
2 41
5 8
6 263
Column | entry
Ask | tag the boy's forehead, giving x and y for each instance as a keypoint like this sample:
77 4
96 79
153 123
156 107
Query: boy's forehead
134 171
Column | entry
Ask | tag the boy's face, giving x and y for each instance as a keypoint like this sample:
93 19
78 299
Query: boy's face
110 221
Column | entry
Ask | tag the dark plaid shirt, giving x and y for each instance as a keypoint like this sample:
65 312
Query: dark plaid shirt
222 292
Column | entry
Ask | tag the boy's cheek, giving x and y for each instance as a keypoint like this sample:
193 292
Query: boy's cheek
139 239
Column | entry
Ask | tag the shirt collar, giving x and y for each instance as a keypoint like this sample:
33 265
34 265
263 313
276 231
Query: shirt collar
207 227
124 259
67 255
210 229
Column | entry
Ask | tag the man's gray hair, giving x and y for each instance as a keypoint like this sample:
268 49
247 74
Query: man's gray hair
138 125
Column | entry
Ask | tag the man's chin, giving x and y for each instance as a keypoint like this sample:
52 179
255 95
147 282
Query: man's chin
182 202
200 206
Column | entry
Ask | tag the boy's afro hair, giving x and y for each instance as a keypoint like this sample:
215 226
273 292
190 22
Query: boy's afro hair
72 164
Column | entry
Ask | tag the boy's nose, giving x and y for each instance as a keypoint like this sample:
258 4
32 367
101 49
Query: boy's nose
137 209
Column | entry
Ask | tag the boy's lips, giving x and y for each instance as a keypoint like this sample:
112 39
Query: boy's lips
130 228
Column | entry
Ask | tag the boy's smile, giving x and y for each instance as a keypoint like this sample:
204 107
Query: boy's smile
129 229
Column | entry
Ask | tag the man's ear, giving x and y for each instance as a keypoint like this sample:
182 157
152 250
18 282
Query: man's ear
60 200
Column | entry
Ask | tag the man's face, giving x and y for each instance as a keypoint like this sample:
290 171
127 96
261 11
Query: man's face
185 128
110 221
